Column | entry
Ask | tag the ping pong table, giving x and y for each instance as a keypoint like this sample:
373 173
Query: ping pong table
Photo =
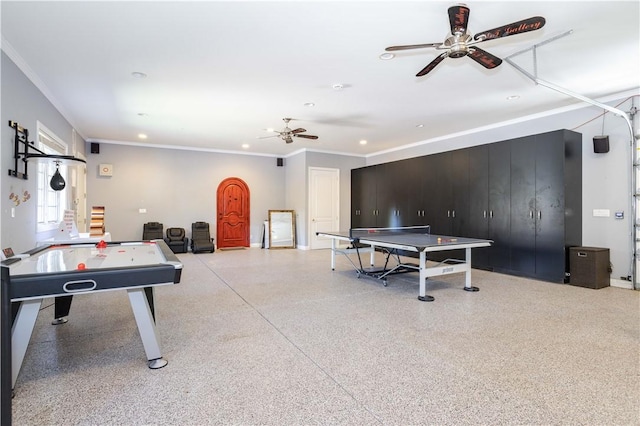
393 242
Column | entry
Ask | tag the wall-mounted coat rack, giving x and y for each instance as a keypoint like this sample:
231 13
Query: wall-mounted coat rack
29 151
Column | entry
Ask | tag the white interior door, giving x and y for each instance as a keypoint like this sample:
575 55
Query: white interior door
324 204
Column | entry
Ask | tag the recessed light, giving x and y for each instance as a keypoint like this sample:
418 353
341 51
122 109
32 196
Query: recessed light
363 142
138 74
338 86
420 126
309 104
142 136
142 114
513 97
245 145
386 56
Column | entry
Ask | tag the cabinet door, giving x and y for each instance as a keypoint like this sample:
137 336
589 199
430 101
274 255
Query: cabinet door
417 172
499 204
550 206
369 191
357 196
399 182
459 176
523 205
478 225
441 194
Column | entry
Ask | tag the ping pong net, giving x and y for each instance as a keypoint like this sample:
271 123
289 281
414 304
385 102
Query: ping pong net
356 233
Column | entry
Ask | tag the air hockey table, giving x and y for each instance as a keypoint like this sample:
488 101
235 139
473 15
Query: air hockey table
393 242
63 271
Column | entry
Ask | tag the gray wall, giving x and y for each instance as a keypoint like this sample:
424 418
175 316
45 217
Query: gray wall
23 102
177 187
298 187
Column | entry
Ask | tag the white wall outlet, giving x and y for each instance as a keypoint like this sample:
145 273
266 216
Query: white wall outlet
142 210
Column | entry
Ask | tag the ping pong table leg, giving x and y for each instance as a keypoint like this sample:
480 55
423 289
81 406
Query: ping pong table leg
333 254
467 272
146 327
21 334
423 297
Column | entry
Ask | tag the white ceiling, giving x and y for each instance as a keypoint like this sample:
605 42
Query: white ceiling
220 72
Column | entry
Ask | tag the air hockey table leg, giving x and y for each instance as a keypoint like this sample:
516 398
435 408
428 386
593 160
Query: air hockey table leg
21 334
61 308
467 272
423 296
147 327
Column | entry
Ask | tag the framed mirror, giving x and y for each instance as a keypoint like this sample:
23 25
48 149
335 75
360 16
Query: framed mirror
282 229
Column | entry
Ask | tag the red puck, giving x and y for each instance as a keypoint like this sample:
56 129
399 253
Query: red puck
82 266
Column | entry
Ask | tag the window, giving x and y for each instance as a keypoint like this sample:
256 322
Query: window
51 204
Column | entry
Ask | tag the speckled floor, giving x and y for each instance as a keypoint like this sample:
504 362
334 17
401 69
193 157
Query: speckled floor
274 337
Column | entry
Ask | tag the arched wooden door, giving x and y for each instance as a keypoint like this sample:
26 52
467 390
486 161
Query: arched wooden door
232 228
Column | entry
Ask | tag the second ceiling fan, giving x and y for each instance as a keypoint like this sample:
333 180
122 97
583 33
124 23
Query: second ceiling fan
460 43
288 134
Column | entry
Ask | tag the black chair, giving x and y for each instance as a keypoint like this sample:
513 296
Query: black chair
201 238
177 240
152 231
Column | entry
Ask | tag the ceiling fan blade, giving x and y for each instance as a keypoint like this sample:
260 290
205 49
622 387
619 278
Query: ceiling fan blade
458 18
412 46
299 130
432 65
267 137
484 58
524 26
306 136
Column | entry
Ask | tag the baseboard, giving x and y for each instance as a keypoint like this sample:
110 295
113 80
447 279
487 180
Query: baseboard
621 283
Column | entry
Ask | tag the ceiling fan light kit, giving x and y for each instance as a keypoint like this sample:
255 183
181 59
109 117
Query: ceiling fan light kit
459 43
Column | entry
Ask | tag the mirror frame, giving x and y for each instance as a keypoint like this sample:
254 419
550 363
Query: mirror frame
285 219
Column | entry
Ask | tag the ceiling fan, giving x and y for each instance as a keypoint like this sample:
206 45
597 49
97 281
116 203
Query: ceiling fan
460 43
287 134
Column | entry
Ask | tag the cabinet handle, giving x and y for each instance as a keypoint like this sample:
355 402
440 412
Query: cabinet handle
539 214
491 214
530 214
418 213
453 213
448 213
484 214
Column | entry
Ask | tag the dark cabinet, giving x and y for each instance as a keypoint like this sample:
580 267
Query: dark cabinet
541 175
499 205
368 191
524 194
523 205
448 207
478 224
459 175
394 210
421 172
